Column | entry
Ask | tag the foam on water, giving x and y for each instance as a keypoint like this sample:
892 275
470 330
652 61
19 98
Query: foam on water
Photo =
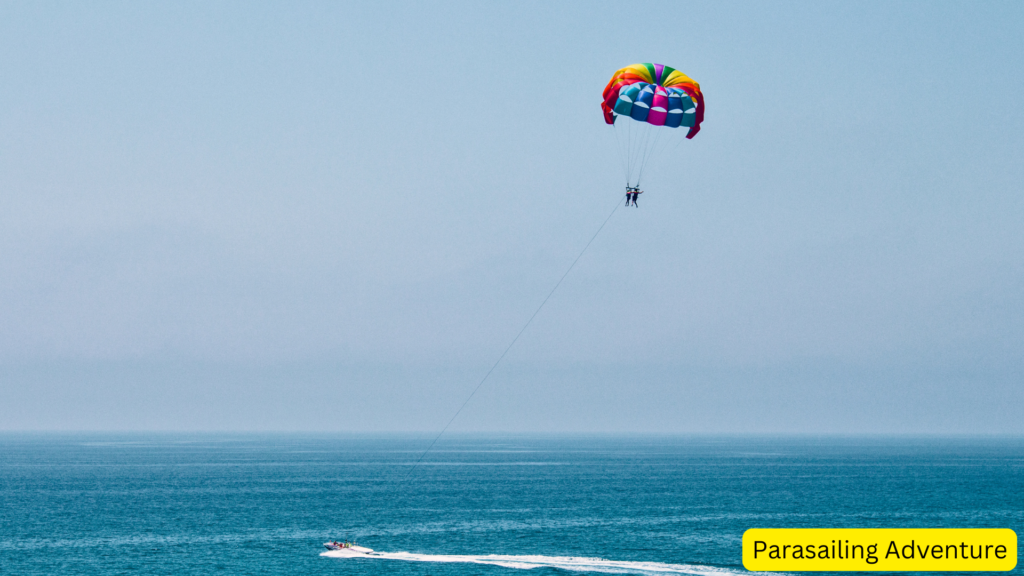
570 563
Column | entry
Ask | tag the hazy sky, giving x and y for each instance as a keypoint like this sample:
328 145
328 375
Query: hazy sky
333 216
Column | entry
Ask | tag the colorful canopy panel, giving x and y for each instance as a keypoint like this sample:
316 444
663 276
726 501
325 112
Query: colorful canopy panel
656 94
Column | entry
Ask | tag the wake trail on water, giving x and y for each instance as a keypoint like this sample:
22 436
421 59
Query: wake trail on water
570 563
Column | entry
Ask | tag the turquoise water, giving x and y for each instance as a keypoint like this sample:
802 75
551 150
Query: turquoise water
174 504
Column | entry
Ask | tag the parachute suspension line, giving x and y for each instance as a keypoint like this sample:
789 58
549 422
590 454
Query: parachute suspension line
509 347
645 149
638 143
649 153
671 146
642 148
641 142
621 153
629 152
679 142
633 139
639 150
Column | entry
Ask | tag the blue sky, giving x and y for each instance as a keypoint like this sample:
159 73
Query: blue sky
332 216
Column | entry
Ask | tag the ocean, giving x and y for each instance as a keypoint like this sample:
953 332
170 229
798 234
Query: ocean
109 504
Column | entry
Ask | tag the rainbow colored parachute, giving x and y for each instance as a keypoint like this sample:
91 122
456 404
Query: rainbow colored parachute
655 94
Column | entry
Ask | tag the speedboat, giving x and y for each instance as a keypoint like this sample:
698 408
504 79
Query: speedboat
347 547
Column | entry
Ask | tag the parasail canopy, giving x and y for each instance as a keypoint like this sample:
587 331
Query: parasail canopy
656 94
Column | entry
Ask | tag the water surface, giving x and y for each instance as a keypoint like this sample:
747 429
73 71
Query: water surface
263 504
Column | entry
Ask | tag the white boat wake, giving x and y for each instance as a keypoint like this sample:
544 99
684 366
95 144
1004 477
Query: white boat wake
573 564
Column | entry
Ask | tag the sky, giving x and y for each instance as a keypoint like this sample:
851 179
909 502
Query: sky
334 217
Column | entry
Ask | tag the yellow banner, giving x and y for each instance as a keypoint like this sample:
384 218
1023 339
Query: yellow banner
875 549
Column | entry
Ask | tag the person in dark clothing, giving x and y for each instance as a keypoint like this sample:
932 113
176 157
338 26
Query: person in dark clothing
629 195
636 192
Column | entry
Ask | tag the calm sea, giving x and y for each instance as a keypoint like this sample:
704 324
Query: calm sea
264 504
